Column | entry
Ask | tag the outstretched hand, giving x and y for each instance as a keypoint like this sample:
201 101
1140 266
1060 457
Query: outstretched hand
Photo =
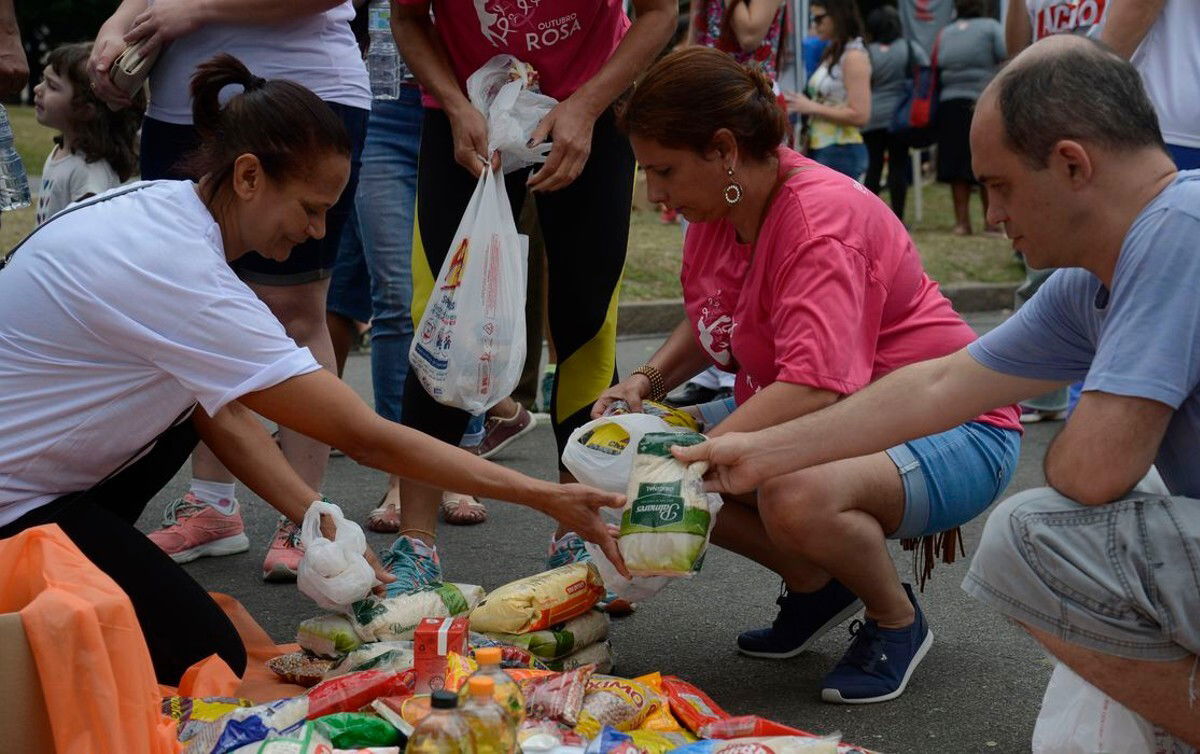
578 510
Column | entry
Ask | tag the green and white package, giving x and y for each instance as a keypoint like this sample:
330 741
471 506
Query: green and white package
396 618
559 641
667 517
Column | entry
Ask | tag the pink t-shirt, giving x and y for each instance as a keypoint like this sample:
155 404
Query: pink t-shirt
567 41
831 295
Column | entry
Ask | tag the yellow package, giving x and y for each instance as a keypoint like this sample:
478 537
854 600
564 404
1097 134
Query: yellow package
539 601
673 416
458 668
655 742
619 703
660 719
610 438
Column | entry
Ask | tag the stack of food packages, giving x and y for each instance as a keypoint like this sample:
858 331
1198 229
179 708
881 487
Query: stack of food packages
366 680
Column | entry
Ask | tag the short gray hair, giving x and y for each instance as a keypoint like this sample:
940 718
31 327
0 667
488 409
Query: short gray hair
1079 91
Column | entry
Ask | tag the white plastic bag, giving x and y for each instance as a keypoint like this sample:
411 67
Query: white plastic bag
469 348
502 90
1078 718
334 573
600 453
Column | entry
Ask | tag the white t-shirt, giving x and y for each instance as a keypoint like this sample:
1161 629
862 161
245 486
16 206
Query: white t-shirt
317 50
67 177
1169 61
115 317
1050 17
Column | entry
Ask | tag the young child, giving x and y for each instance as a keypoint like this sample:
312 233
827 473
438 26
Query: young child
95 147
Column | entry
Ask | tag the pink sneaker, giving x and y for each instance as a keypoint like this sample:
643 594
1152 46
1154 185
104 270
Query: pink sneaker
193 529
283 556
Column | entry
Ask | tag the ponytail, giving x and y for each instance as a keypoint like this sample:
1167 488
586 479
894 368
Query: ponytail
280 122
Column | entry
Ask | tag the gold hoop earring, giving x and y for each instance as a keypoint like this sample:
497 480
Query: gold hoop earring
733 192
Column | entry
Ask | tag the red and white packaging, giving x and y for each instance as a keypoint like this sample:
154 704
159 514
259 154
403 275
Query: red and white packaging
433 640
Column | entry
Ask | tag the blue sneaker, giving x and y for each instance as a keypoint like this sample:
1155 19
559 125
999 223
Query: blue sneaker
879 662
414 564
803 618
569 549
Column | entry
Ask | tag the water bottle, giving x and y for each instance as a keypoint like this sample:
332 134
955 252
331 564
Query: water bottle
14 182
443 730
383 60
492 730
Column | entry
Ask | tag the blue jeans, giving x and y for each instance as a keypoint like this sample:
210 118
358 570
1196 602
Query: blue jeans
372 279
953 476
847 159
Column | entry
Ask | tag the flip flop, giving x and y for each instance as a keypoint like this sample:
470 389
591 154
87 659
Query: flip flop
462 510
384 518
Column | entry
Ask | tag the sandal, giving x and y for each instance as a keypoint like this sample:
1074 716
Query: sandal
384 518
462 510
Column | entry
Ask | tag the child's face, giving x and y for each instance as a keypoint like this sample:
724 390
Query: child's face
52 100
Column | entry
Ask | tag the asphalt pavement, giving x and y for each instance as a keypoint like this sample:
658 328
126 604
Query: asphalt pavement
978 690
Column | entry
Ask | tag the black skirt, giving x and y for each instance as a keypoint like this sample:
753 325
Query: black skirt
954 141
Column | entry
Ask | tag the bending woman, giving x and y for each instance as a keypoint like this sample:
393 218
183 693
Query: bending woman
807 286
122 314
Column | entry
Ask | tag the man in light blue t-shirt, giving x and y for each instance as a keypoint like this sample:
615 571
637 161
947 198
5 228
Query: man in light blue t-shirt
1105 577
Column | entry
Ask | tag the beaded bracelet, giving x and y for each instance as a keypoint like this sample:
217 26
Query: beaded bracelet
658 385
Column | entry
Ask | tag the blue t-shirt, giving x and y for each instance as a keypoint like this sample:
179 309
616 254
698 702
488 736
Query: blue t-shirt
1140 339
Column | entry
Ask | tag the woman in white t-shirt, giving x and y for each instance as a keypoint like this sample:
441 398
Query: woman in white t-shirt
121 314
306 41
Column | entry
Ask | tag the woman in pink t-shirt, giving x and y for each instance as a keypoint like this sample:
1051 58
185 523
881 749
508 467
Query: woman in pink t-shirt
809 288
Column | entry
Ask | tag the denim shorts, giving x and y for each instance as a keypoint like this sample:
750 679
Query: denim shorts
1121 578
953 476
847 159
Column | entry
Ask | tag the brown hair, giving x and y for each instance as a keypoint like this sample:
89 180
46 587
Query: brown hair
847 26
690 94
280 122
101 133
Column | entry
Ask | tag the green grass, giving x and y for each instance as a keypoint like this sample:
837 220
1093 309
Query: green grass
652 268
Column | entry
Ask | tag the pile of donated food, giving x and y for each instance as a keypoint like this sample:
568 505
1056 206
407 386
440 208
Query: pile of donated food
370 667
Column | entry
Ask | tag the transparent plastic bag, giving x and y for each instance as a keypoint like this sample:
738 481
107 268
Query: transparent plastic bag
503 89
469 348
334 573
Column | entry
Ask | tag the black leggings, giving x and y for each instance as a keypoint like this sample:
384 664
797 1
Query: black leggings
586 229
878 142
181 623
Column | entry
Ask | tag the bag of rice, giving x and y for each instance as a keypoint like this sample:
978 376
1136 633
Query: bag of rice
539 601
327 636
561 640
599 654
378 655
667 517
395 618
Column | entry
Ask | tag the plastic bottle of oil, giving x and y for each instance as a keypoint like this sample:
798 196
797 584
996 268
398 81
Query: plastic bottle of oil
443 731
492 729
507 692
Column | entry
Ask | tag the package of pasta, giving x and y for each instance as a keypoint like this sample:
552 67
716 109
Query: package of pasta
599 655
557 696
539 601
668 517
561 640
690 705
620 703
327 636
195 714
396 618
806 744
